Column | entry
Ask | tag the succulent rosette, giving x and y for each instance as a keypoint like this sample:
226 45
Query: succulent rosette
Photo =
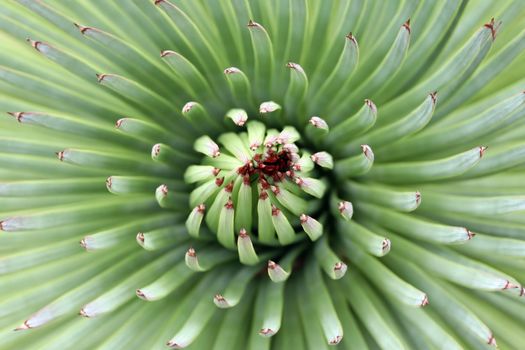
245 175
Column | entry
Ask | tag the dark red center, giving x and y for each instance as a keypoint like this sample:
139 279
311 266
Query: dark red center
274 164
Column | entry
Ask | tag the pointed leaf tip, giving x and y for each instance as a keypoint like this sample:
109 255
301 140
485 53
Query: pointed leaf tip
406 25
253 24
482 150
165 53
82 28
493 27
101 77
492 341
295 66
371 105
17 115
351 37
141 295
367 151
433 95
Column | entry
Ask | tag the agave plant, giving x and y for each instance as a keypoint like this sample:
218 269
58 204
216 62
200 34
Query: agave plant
265 182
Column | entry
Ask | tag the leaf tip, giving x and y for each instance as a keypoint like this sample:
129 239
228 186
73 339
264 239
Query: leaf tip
424 302
335 340
406 25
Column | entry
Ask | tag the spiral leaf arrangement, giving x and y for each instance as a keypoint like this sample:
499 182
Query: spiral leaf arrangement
236 161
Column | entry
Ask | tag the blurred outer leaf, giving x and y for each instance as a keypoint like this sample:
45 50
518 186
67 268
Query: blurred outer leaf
122 292
341 72
385 279
473 205
51 205
384 196
448 72
322 304
358 295
473 276
459 133
424 171
414 227
389 65
447 306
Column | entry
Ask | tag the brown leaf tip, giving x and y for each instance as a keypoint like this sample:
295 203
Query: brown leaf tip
385 247
470 234
492 340
433 96
81 28
83 313
109 182
140 238
266 332
339 266
371 105
141 294
165 53
172 344
155 150
425 301
243 233
219 297
418 198
60 155
482 150
191 252
219 181
493 28
34 43
351 37
188 107
295 66
164 189
336 340
17 115
232 70
229 204
272 265
263 195
23 327
157 2
304 218
229 187
367 151
100 77
510 285
119 122
201 208
406 25
252 24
